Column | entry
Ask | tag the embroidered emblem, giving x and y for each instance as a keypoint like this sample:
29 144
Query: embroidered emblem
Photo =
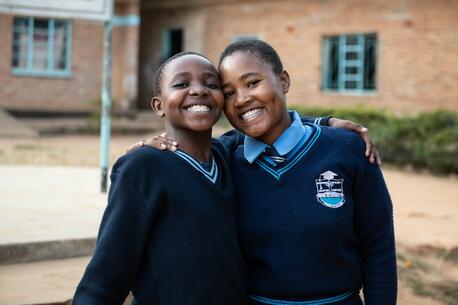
330 190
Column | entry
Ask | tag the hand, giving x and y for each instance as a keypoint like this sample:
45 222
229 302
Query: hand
160 142
363 132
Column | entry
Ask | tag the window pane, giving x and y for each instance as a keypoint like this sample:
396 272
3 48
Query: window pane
370 62
351 56
40 44
20 42
351 85
351 70
333 64
60 45
352 40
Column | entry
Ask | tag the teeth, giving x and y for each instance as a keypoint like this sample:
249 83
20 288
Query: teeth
250 114
198 108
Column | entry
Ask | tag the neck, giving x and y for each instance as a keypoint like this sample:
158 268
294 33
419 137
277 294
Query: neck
195 143
283 124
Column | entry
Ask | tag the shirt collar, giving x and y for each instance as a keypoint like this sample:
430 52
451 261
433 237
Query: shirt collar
284 144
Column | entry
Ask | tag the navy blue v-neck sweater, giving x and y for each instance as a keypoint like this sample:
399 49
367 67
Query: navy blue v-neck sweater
168 235
317 226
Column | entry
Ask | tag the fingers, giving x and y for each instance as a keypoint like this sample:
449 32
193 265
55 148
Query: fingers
371 151
162 142
357 127
363 132
377 157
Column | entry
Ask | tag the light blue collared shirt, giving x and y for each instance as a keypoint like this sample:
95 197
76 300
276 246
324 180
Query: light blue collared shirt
284 144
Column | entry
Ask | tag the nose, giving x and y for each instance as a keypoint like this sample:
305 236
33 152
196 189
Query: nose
198 90
241 98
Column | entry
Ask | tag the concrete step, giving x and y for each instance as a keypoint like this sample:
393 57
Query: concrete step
45 250
12 127
51 282
139 123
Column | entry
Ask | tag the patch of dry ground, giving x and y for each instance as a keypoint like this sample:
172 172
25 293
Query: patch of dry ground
426 212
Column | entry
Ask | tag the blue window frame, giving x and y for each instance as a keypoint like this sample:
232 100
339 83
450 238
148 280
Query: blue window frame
349 63
41 47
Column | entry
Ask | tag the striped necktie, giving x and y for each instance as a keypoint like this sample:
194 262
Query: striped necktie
271 153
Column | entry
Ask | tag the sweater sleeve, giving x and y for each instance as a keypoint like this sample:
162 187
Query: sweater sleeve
375 233
322 121
121 241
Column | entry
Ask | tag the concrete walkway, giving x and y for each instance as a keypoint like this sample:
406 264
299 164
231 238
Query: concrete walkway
49 203
48 214
47 282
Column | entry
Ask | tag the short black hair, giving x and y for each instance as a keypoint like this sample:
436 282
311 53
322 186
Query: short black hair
160 71
261 49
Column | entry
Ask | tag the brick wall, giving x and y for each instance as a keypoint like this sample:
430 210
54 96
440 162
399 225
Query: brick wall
54 93
417 62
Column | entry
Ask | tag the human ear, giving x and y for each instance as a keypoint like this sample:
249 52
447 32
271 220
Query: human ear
284 80
157 106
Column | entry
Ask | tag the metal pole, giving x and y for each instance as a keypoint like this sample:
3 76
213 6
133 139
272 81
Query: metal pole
105 122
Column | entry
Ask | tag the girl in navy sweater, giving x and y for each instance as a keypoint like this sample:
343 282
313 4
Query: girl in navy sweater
169 231
315 217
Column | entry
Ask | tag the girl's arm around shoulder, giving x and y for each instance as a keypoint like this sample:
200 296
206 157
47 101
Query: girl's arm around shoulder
231 139
323 121
373 222
122 237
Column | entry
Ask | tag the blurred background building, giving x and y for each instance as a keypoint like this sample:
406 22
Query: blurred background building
395 54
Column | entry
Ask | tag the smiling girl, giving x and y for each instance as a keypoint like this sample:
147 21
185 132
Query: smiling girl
169 231
314 215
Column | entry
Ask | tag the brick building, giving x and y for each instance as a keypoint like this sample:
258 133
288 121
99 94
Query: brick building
396 54
51 64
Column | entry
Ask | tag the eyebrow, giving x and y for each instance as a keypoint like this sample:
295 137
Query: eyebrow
185 74
244 76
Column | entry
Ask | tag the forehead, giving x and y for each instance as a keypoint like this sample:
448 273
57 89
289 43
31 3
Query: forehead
242 62
189 64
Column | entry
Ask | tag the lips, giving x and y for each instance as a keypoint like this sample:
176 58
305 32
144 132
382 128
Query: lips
251 114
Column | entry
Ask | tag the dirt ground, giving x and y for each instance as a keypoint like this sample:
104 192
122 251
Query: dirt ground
426 212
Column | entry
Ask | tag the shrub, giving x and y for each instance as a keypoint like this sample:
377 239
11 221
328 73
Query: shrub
428 140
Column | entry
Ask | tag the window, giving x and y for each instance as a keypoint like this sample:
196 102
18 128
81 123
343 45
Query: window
41 47
349 63
172 43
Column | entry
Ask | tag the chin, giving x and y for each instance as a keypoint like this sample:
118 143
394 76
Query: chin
254 131
201 128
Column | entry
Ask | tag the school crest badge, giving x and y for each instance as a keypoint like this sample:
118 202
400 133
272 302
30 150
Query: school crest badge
329 189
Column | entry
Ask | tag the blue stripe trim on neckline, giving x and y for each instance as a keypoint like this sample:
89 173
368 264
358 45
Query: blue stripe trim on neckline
211 174
324 301
297 153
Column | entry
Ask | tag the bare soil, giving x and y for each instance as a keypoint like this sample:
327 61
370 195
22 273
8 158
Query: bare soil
425 206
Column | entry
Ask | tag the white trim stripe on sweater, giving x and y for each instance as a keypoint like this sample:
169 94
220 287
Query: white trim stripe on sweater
211 174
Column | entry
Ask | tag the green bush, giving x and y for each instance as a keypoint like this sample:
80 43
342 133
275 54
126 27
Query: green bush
428 140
